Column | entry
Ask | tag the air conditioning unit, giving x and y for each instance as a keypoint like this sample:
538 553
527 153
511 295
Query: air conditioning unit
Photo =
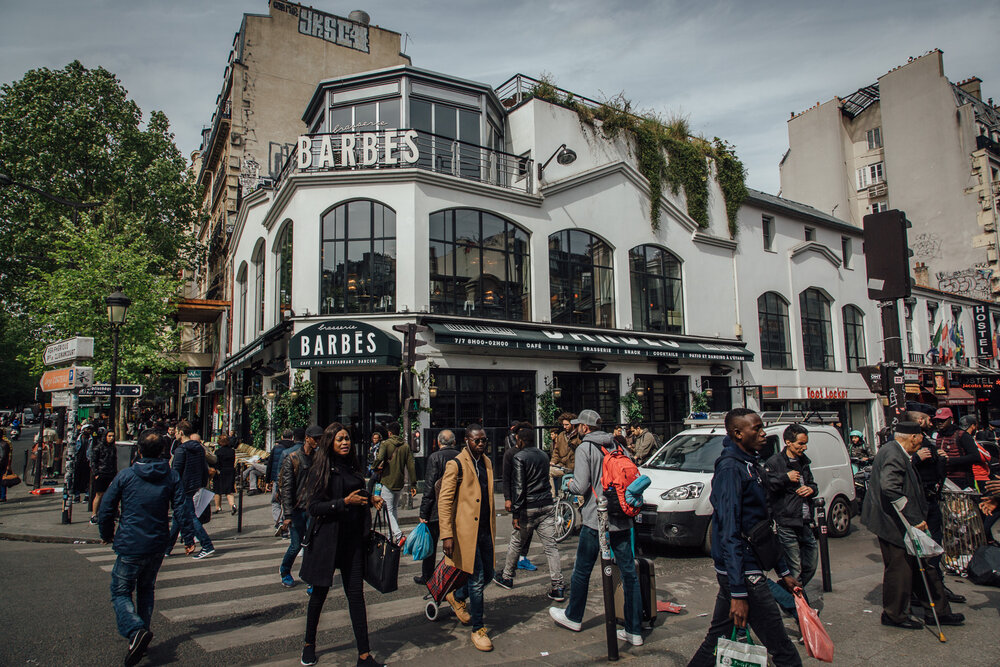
236 139
877 190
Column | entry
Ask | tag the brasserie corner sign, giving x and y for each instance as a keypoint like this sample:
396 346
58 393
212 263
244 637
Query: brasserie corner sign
343 343
353 147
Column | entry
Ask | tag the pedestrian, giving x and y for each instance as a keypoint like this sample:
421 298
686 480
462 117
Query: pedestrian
105 467
512 446
589 459
859 448
394 460
371 456
533 509
893 478
791 489
81 464
6 462
190 465
141 496
225 480
962 452
986 444
335 496
291 481
739 503
468 527
271 475
433 471
175 439
564 446
644 443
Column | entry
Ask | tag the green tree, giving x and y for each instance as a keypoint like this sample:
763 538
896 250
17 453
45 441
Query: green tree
75 133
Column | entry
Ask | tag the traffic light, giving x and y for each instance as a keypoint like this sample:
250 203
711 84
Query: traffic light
411 342
887 255
413 405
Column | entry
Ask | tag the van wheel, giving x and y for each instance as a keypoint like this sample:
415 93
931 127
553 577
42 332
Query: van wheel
706 544
838 517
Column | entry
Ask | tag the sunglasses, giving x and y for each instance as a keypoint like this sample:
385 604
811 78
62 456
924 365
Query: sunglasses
479 441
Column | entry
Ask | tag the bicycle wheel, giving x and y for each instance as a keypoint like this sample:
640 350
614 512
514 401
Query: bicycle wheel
565 520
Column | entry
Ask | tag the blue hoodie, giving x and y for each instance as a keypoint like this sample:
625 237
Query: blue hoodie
146 490
739 502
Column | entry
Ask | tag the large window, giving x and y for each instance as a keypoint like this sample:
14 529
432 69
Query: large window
258 290
817 330
581 279
854 337
775 344
479 265
365 117
450 123
656 290
283 274
359 259
583 391
870 175
241 282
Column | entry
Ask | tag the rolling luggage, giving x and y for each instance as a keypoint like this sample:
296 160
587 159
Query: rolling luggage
647 588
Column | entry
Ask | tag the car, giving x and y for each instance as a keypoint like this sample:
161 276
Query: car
28 417
677 511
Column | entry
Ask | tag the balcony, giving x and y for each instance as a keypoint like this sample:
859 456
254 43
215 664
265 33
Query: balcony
878 190
982 141
212 149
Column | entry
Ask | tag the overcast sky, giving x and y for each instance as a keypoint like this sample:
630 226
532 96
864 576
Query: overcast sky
735 68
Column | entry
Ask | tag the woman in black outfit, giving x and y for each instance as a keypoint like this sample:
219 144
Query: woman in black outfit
225 481
338 503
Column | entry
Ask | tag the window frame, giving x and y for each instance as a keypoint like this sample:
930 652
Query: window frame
599 275
767 232
259 268
811 337
780 317
672 286
855 349
874 138
846 251
341 246
283 259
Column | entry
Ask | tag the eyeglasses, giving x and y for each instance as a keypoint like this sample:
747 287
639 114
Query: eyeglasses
479 441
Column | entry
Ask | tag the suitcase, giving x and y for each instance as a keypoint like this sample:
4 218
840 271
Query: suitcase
647 588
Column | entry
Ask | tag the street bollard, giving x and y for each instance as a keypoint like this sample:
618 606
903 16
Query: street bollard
610 623
239 486
824 547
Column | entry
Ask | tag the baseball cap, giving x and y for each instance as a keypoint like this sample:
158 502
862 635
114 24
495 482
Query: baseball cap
968 420
943 413
588 417
314 432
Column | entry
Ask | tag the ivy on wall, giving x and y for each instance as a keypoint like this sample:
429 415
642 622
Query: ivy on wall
547 412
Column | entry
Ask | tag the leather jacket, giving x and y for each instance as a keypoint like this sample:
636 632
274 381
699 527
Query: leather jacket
786 505
291 478
432 473
530 484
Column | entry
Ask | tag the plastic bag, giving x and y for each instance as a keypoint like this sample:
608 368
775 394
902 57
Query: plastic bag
418 544
735 653
918 543
818 642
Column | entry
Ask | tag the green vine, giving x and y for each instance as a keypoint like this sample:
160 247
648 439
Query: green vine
547 411
258 422
699 401
289 412
632 405
666 152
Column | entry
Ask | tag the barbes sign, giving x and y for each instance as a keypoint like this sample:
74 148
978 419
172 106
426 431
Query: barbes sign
343 343
984 335
387 148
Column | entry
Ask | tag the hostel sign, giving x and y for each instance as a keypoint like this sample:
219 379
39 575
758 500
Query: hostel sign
343 343
984 334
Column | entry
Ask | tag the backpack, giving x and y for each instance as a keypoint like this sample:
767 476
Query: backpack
617 472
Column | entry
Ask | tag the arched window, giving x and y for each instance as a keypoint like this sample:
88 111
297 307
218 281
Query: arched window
854 337
258 289
479 265
817 330
359 259
283 274
581 279
656 290
775 342
241 282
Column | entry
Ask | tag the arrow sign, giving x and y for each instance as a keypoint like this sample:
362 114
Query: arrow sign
70 349
121 390
67 378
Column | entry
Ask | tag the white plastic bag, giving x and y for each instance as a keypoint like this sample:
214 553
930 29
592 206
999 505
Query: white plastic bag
918 543
734 653
202 498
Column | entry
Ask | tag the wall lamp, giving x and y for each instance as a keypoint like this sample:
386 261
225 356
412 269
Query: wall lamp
562 155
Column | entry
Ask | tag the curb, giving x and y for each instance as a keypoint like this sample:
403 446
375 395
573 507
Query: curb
47 539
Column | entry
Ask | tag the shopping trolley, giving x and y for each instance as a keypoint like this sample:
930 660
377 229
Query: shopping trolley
445 579
963 529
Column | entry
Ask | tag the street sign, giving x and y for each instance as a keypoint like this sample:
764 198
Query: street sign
121 390
60 399
64 379
70 349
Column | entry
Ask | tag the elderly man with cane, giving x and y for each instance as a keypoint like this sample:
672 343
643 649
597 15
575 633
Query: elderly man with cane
893 486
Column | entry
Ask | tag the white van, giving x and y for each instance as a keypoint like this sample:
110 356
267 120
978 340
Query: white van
677 511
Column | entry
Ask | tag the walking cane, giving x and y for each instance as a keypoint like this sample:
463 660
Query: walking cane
913 546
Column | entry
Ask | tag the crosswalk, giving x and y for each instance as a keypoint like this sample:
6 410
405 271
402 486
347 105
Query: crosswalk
234 599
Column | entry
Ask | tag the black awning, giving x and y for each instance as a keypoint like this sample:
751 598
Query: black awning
636 345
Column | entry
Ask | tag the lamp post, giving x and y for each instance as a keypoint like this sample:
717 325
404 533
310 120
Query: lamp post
118 305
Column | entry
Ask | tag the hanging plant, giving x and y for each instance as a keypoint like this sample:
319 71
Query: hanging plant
547 411
258 422
699 401
632 405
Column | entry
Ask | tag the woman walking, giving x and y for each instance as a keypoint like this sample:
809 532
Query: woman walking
105 457
338 504
225 480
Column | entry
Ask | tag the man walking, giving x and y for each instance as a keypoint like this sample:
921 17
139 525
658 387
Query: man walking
643 443
190 465
395 460
468 526
533 509
586 482
141 494
893 479
271 476
564 446
428 504
291 479
512 445
739 503
791 488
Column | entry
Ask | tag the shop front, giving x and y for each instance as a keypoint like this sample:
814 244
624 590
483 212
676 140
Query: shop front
853 406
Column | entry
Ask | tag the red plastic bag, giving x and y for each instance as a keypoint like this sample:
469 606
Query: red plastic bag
818 642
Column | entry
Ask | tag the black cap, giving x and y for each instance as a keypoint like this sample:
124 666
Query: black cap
908 427
315 432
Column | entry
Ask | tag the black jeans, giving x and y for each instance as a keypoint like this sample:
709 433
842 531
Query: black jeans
350 561
935 525
428 564
764 618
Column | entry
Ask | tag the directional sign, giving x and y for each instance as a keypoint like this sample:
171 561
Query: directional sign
121 390
61 399
70 349
64 379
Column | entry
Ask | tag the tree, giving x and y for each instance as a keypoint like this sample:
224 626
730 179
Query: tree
75 133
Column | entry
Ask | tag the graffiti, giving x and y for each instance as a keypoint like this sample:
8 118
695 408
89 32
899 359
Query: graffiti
276 155
249 174
925 246
974 282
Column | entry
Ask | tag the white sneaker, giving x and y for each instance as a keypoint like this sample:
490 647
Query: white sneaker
559 616
634 640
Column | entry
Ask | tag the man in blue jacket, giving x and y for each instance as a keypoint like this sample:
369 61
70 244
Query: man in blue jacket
739 502
145 491
190 465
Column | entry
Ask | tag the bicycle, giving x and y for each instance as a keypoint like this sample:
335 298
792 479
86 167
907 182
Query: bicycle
568 517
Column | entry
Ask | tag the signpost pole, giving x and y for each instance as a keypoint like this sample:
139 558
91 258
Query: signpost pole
40 397
114 381
69 460
892 346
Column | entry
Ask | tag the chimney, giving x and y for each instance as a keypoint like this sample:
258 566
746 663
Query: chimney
973 86
920 277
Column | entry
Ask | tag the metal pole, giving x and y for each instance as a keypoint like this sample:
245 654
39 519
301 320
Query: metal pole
240 483
41 438
610 625
892 350
69 461
114 379
824 546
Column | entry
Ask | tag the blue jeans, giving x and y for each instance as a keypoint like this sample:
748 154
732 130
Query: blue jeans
295 531
801 551
199 531
134 573
587 552
482 574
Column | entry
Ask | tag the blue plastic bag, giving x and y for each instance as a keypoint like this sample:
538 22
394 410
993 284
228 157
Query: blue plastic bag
418 544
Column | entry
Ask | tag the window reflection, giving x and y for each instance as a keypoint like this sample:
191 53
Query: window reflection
656 290
854 337
817 330
283 274
359 258
581 279
772 318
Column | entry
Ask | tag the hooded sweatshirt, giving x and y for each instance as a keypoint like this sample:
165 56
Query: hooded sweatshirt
396 455
145 491
189 462
587 479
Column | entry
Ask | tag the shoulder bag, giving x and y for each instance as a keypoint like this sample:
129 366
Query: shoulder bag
382 556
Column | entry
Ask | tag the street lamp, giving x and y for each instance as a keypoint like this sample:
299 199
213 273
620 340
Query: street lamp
118 305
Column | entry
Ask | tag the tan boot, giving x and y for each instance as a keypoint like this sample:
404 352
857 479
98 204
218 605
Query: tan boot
458 606
481 640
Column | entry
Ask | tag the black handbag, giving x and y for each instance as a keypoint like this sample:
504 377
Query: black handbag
382 556
763 540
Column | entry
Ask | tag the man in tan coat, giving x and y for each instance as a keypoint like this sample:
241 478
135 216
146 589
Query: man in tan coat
564 446
468 527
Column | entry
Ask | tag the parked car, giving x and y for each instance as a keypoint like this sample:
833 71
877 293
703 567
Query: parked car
28 416
677 511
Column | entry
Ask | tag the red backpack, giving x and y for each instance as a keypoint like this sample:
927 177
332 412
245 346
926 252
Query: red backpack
617 472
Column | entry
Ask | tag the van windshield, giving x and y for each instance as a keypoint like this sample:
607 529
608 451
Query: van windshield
695 452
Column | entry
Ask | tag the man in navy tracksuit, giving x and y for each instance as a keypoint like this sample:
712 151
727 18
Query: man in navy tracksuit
739 502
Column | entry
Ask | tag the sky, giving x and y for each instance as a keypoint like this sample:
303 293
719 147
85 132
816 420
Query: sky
735 69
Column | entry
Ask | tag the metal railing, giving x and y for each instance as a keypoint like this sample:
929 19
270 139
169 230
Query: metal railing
520 88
